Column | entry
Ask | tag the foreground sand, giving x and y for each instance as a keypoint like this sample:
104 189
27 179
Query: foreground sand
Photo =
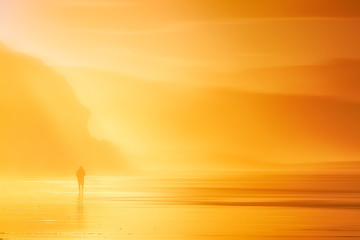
280 207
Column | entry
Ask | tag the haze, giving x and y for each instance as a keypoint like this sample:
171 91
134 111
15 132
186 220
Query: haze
179 88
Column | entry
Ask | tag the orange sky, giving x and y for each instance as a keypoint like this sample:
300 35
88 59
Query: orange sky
164 77
163 38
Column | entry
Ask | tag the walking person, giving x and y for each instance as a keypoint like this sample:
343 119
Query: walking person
80 174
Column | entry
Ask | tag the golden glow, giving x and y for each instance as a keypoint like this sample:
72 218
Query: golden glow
185 84
247 108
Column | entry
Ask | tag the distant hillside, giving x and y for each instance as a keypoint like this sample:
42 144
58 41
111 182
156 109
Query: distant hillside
43 124
337 79
346 166
181 123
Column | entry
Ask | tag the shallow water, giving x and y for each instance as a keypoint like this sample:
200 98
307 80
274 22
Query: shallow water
261 207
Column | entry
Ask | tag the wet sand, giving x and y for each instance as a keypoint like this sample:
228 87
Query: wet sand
281 207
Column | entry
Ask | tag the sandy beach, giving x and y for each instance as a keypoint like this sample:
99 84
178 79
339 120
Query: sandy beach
178 208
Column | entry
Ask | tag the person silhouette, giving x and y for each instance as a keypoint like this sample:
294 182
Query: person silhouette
80 174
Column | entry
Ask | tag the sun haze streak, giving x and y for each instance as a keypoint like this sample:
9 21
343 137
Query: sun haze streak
92 4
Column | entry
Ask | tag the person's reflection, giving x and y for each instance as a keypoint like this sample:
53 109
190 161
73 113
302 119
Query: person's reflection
80 209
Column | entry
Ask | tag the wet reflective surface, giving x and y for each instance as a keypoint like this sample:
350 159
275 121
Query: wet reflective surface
257 207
